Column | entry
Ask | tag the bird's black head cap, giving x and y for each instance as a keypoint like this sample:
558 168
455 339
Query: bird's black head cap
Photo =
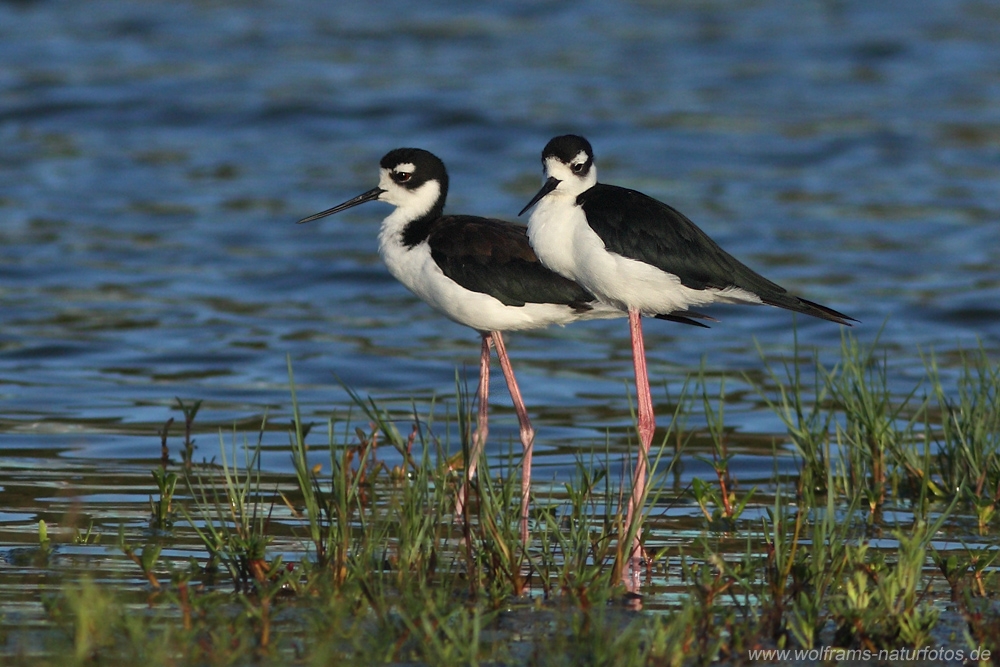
566 147
426 167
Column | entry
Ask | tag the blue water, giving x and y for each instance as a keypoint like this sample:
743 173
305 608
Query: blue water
154 157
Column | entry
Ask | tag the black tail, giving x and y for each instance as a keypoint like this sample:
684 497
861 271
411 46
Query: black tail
684 317
794 303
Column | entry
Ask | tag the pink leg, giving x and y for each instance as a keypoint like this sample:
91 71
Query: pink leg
527 432
647 424
482 427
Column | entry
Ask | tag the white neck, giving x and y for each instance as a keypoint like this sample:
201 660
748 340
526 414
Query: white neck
410 205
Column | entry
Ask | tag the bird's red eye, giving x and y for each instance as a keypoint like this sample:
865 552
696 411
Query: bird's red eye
401 176
578 168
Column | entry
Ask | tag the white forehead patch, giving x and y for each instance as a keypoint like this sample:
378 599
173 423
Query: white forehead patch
406 167
571 182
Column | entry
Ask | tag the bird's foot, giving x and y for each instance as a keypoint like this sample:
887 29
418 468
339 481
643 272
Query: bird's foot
632 572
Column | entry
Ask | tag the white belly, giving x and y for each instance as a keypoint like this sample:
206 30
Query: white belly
565 243
416 269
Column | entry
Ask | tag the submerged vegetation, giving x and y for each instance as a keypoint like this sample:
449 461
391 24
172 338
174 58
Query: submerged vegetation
875 532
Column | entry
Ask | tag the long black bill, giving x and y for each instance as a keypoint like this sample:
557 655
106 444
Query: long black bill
360 199
549 186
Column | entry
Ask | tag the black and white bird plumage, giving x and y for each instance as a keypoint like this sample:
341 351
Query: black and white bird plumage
479 272
634 251
643 256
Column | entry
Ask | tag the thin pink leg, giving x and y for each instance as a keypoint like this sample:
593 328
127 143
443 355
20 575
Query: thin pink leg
527 432
647 424
482 426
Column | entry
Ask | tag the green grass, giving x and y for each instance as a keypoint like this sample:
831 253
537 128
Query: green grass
881 531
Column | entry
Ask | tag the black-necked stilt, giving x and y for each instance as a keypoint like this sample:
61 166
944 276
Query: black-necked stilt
479 272
640 255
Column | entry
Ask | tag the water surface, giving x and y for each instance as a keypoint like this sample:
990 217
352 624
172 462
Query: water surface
154 157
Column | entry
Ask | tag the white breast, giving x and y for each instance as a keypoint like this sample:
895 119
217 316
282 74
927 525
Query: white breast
565 243
416 269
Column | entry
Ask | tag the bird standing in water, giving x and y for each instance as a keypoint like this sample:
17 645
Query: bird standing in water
642 256
479 272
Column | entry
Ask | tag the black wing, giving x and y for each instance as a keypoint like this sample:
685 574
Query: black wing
493 257
634 225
